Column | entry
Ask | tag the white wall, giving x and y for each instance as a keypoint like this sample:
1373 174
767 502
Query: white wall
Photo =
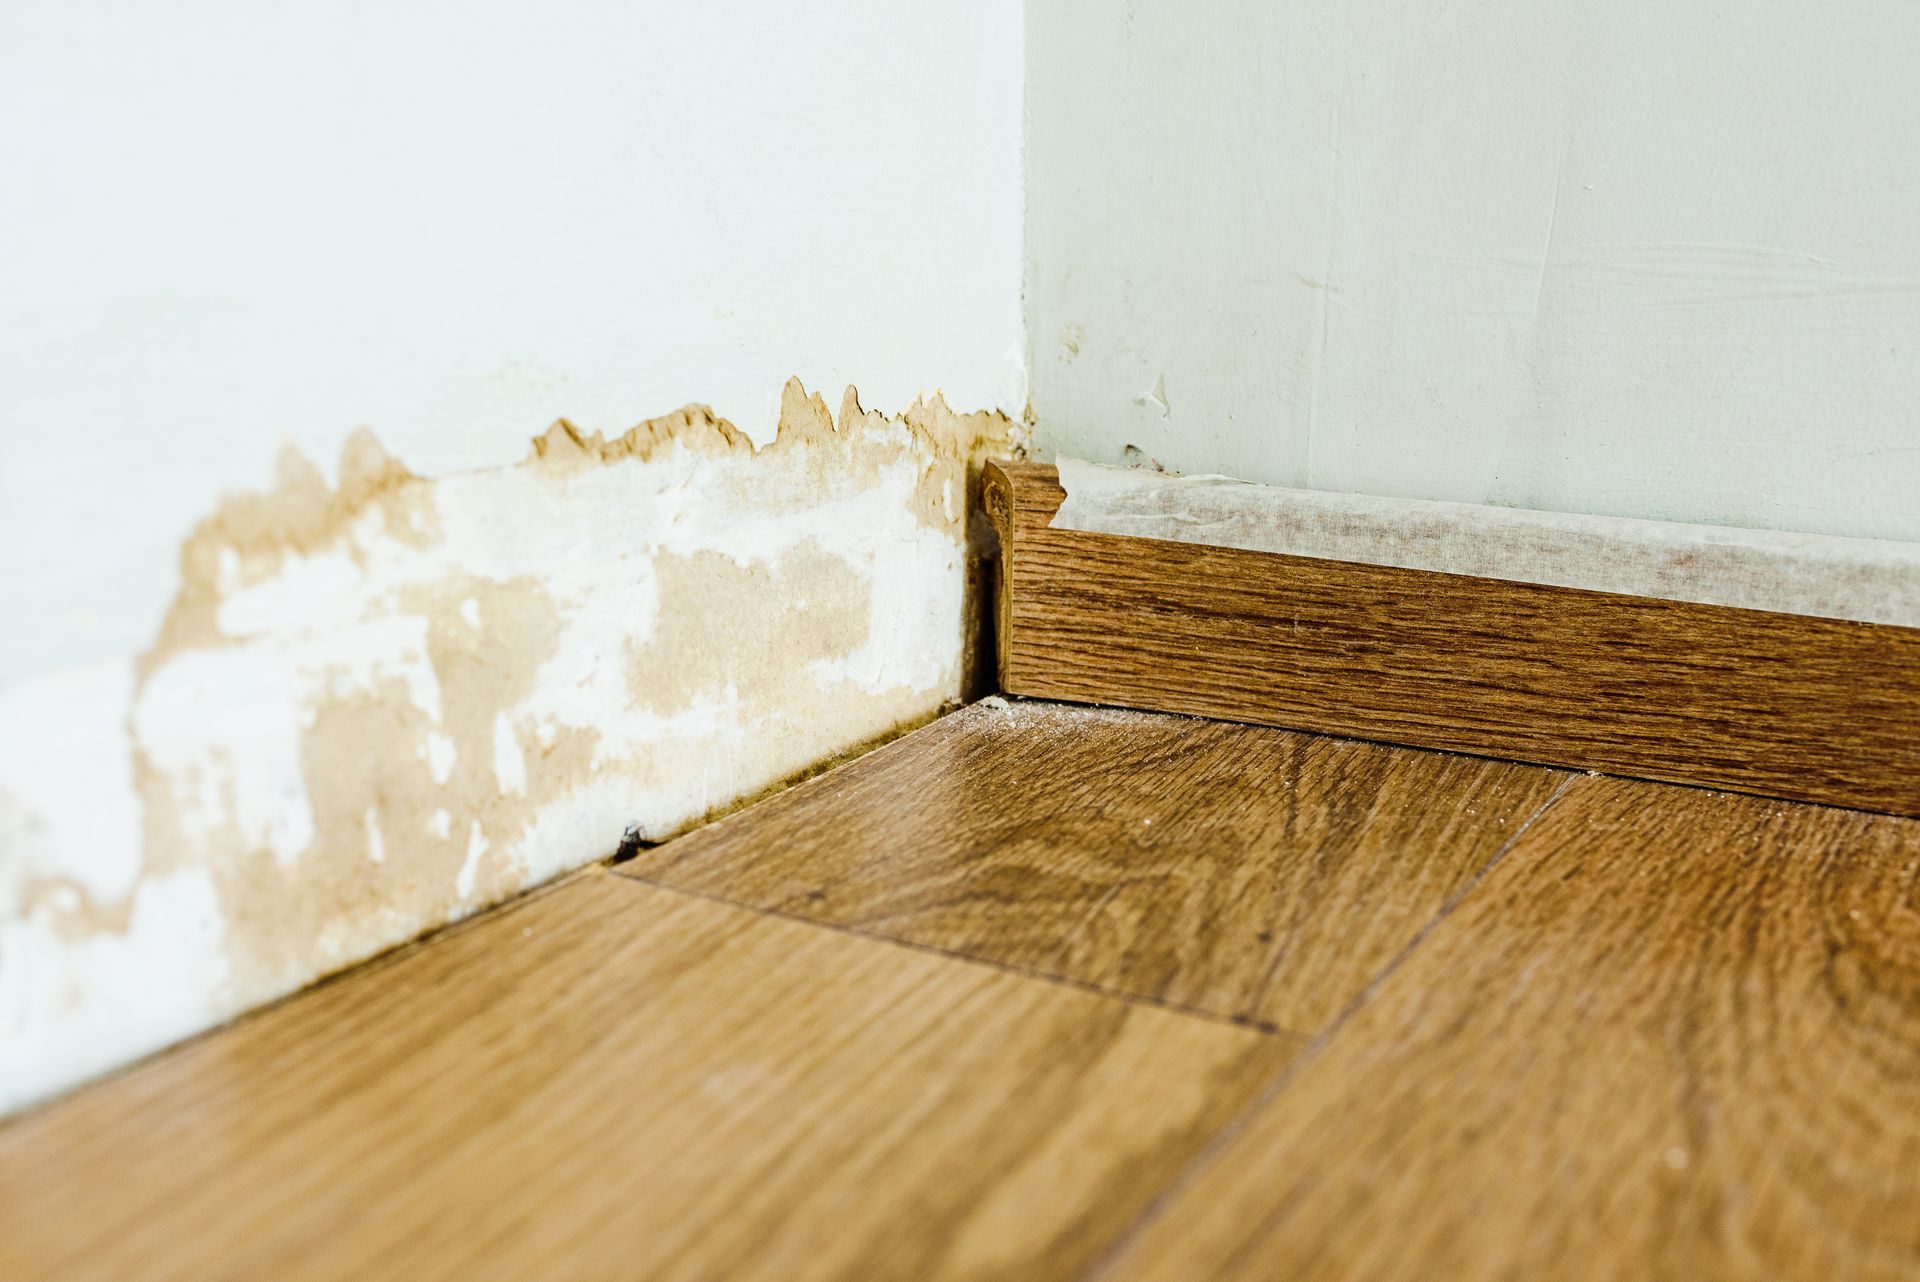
381 708
231 224
1658 258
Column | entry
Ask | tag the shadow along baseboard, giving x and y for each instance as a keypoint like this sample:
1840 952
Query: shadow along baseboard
1783 705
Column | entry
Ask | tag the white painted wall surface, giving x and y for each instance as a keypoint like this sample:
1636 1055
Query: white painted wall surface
230 225
1657 258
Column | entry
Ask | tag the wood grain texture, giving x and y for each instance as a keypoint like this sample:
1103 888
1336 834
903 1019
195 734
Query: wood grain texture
611 1080
1672 1035
1240 871
1784 705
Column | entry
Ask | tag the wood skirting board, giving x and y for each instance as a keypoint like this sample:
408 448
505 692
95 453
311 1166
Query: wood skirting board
1784 705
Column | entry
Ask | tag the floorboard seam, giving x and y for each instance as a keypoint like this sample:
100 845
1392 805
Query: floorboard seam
1006 968
1238 1122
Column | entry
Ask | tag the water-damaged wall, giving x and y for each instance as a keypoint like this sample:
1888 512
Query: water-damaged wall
231 225
378 706
246 740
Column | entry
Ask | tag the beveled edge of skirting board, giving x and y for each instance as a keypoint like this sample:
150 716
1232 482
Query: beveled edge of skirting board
1787 705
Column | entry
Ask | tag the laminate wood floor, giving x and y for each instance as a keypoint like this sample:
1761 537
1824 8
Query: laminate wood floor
617 1081
1256 874
1672 1035
1049 992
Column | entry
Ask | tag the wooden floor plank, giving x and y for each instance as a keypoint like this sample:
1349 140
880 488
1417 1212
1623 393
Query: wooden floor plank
611 1080
1787 705
1246 872
1674 1034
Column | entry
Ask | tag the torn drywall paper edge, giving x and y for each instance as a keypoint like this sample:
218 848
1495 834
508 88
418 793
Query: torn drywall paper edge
1867 580
379 707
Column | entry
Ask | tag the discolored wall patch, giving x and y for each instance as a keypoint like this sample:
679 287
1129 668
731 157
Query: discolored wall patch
376 707
705 646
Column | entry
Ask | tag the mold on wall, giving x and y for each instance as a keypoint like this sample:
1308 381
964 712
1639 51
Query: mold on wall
379 706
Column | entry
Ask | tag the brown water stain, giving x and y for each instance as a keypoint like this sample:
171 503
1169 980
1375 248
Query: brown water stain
384 777
711 638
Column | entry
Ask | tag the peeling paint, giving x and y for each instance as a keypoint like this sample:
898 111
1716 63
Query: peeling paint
376 707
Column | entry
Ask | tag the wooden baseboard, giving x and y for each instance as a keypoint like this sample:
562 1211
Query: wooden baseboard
1783 705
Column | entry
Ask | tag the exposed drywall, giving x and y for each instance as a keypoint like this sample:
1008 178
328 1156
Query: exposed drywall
1867 580
231 224
377 706
1655 259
